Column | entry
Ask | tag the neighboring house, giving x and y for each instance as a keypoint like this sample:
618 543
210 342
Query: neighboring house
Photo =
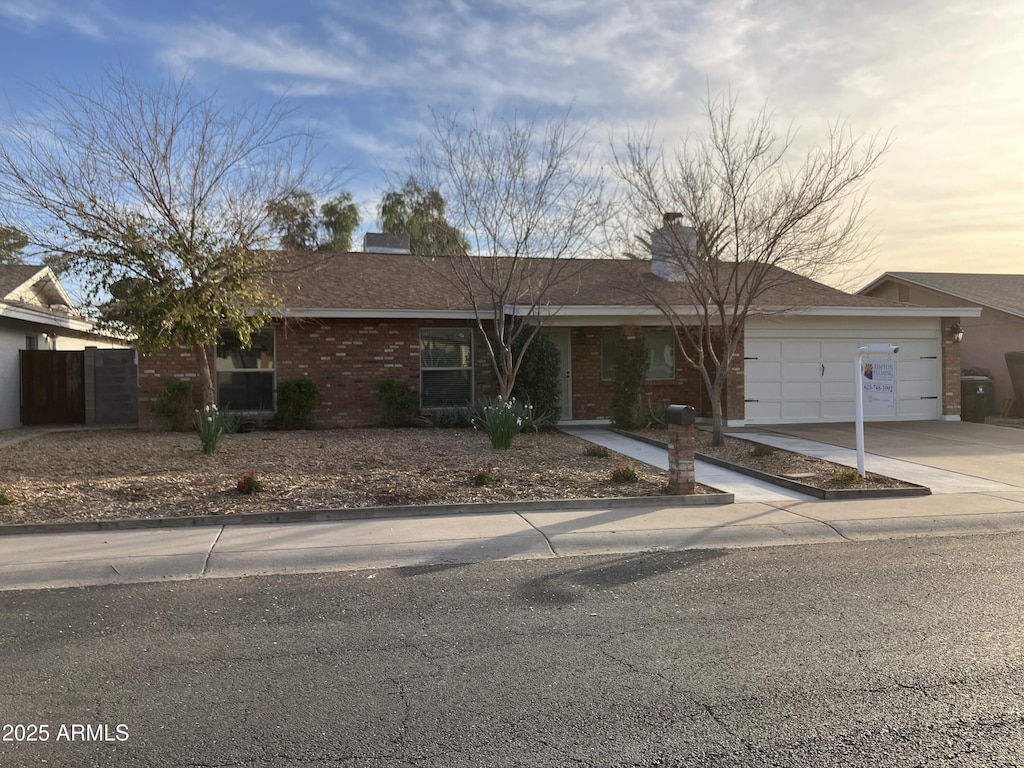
36 314
350 320
987 338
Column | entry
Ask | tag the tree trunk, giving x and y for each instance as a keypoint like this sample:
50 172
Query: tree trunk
206 376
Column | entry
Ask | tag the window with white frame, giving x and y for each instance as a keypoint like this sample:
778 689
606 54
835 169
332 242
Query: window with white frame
446 367
245 375
661 354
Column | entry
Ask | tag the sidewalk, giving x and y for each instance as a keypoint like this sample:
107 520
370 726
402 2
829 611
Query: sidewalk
111 557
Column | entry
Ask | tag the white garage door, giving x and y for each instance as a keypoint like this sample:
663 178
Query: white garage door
794 377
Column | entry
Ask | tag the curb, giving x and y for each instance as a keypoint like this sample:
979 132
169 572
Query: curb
828 494
371 513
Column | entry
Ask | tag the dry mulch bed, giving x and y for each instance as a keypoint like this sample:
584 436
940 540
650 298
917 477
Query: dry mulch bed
124 474
807 470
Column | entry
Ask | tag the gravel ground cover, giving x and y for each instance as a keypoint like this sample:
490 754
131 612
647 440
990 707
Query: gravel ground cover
125 474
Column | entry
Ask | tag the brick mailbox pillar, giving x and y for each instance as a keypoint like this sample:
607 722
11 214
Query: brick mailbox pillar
681 446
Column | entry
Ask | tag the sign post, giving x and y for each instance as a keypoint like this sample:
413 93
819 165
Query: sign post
876 381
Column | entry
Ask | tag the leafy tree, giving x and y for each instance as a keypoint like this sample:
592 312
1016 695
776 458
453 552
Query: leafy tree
631 361
339 219
729 223
159 197
12 243
302 227
539 379
293 217
420 213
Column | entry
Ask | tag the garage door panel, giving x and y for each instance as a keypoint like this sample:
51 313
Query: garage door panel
799 390
811 380
837 390
918 388
801 410
759 371
916 369
917 409
801 372
765 412
837 410
839 352
759 390
797 351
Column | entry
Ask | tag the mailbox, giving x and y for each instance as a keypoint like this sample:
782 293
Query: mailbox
684 415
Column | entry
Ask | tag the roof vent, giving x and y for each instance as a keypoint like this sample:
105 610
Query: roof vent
378 242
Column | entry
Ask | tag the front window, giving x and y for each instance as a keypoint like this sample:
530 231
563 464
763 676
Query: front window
245 375
446 367
661 354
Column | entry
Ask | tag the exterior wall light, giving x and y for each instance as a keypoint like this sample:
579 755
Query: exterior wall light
956 331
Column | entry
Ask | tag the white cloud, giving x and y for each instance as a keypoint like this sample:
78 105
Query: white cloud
36 13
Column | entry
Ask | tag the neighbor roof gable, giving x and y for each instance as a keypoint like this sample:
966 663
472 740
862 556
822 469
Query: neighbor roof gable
1002 292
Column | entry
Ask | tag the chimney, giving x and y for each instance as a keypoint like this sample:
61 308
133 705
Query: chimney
673 248
377 242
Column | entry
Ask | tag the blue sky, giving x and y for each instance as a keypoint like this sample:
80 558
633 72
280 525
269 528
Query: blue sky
945 78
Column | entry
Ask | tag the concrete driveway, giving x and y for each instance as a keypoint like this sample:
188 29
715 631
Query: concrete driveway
980 450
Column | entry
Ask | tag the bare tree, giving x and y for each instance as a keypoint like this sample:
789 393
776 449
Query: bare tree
157 196
524 196
732 227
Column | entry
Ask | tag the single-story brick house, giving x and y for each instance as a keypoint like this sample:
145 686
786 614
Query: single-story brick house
350 320
987 337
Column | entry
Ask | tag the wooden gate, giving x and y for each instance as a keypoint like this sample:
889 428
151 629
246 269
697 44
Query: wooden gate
52 387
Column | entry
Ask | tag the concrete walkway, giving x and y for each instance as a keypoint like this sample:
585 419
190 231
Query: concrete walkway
112 557
742 487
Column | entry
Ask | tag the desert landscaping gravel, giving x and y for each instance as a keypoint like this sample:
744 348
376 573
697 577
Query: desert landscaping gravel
125 474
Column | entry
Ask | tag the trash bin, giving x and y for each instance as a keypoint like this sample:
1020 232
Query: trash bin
976 397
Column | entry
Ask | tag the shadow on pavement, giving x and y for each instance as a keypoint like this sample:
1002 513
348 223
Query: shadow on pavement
565 588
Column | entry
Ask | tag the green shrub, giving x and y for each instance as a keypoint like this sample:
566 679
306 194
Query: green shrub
539 379
625 473
249 484
762 451
173 403
846 476
212 425
596 451
296 399
503 420
6 499
630 375
400 402
483 477
446 418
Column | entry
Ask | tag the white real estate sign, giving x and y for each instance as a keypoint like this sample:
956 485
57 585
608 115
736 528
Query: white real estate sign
878 381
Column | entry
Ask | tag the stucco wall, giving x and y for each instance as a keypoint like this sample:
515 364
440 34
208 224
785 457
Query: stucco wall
986 339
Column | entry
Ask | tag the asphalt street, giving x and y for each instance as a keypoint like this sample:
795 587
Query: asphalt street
877 653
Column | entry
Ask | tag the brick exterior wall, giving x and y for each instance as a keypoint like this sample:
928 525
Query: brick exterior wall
950 370
592 395
347 359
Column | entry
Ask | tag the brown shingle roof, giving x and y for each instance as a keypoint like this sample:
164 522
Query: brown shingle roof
382 282
1002 292
13 276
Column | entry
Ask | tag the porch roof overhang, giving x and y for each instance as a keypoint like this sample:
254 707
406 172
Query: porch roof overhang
48 321
381 314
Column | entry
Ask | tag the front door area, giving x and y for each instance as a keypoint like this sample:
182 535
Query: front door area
561 339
